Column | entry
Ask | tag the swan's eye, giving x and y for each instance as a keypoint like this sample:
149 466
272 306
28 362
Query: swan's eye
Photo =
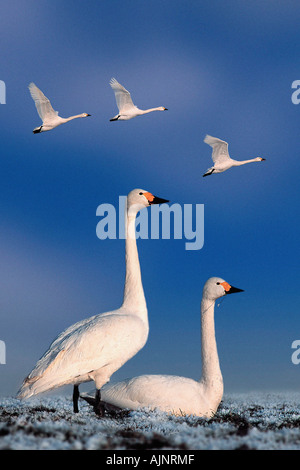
218 283
140 194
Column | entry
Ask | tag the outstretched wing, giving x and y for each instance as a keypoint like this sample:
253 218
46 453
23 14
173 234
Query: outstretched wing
220 149
123 98
43 105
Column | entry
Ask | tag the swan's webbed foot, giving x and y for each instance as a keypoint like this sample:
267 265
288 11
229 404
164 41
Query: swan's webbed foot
209 172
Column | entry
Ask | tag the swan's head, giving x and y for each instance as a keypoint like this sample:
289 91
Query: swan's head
137 199
162 108
260 159
216 287
85 115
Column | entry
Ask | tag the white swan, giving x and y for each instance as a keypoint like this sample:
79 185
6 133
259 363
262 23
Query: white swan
47 114
180 395
94 348
221 158
127 110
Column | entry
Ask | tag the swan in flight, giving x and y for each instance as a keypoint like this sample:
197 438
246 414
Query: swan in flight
47 114
94 348
127 110
221 158
180 395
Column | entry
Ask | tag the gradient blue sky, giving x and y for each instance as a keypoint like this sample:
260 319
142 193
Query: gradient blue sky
221 68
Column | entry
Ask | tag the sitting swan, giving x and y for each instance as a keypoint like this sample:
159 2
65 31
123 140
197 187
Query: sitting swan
47 114
94 348
127 110
221 158
180 395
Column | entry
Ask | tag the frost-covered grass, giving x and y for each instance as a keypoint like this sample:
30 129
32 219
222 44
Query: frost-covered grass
246 421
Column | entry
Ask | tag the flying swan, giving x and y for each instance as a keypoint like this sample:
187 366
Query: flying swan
47 114
221 158
180 395
127 110
94 348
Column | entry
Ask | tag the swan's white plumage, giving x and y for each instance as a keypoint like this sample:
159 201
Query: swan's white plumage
42 103
127 110
180 395
123 97
221 158
47 114
94 348
220 149
168 393
91 349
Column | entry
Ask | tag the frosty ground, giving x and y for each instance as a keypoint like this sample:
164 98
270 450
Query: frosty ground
262 421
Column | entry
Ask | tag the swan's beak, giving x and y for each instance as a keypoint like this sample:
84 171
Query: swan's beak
88 114
165 109
154 199
233 290
158 200
262 159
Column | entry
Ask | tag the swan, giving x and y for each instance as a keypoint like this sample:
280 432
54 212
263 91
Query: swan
180 395
221 158
127 110
94 348
47 114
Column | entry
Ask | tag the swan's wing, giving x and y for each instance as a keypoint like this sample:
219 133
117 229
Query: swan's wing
70 342
100 341
42 103
123 98
220 148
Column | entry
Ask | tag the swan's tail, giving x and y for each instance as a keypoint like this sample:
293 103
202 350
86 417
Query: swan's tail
39 384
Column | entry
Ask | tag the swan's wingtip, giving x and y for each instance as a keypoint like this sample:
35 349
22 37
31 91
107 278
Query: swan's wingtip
112 81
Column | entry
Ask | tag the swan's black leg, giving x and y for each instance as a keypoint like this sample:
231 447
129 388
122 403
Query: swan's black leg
97 404
99 407
207 174
75 398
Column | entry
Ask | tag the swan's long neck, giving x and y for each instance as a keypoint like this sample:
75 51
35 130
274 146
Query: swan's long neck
72 117
243 162
146 111
212 379
134 298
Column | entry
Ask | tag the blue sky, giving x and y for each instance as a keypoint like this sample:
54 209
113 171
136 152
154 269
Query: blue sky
221 68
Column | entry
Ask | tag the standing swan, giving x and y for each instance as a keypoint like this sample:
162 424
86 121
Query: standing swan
180 395
94 348
221 158
127 110
47 114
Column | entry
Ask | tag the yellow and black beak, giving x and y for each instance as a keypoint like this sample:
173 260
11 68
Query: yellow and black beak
233 290
154 199
230 289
